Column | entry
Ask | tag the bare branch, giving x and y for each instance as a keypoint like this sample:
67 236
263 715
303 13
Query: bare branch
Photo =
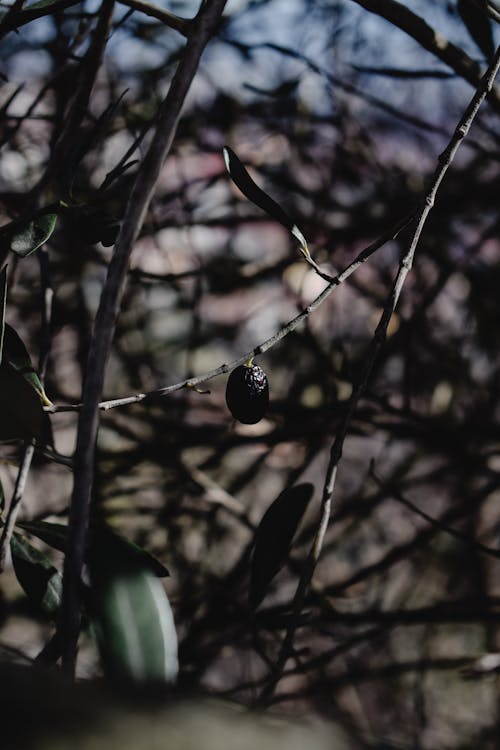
16 17
335 281
168 19
203 27
411 23
15 502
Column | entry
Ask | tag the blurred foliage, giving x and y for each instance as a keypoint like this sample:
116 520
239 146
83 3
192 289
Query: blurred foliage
340 117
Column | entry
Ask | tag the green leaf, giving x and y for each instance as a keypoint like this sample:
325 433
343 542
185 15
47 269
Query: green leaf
53 534
56 534
21 392
254 193
3 300
24 236
16 354
131 614
274 537
102 536
21 413
148 560
41 581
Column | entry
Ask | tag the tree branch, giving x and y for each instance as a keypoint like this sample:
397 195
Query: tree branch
203 27
292 324
405 19
444 162
15 17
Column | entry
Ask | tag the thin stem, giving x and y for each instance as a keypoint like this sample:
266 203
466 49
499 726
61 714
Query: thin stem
15 503
61 165
166 17
265 345
47 295
444 162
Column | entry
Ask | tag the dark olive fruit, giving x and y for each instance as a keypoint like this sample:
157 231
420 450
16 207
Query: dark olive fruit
247 394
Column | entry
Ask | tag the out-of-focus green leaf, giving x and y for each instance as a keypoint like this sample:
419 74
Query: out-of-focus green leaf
25 236
53 534
3 300
274 537
16 354
41 581
131 614
254 193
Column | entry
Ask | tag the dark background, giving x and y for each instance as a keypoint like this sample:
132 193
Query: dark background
341 117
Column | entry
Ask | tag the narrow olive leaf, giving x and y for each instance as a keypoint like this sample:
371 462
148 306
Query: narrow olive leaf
148 560
21 412
135 629
3 300
274 537
56 534
53 534
16 354
123 548
254 193
28 236
131 615
40 580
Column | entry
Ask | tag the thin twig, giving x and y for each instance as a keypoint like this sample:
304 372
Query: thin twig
15 503
339 82
444 162
17 17
292 324
62 159
166 17
436 522
47 295
203 28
